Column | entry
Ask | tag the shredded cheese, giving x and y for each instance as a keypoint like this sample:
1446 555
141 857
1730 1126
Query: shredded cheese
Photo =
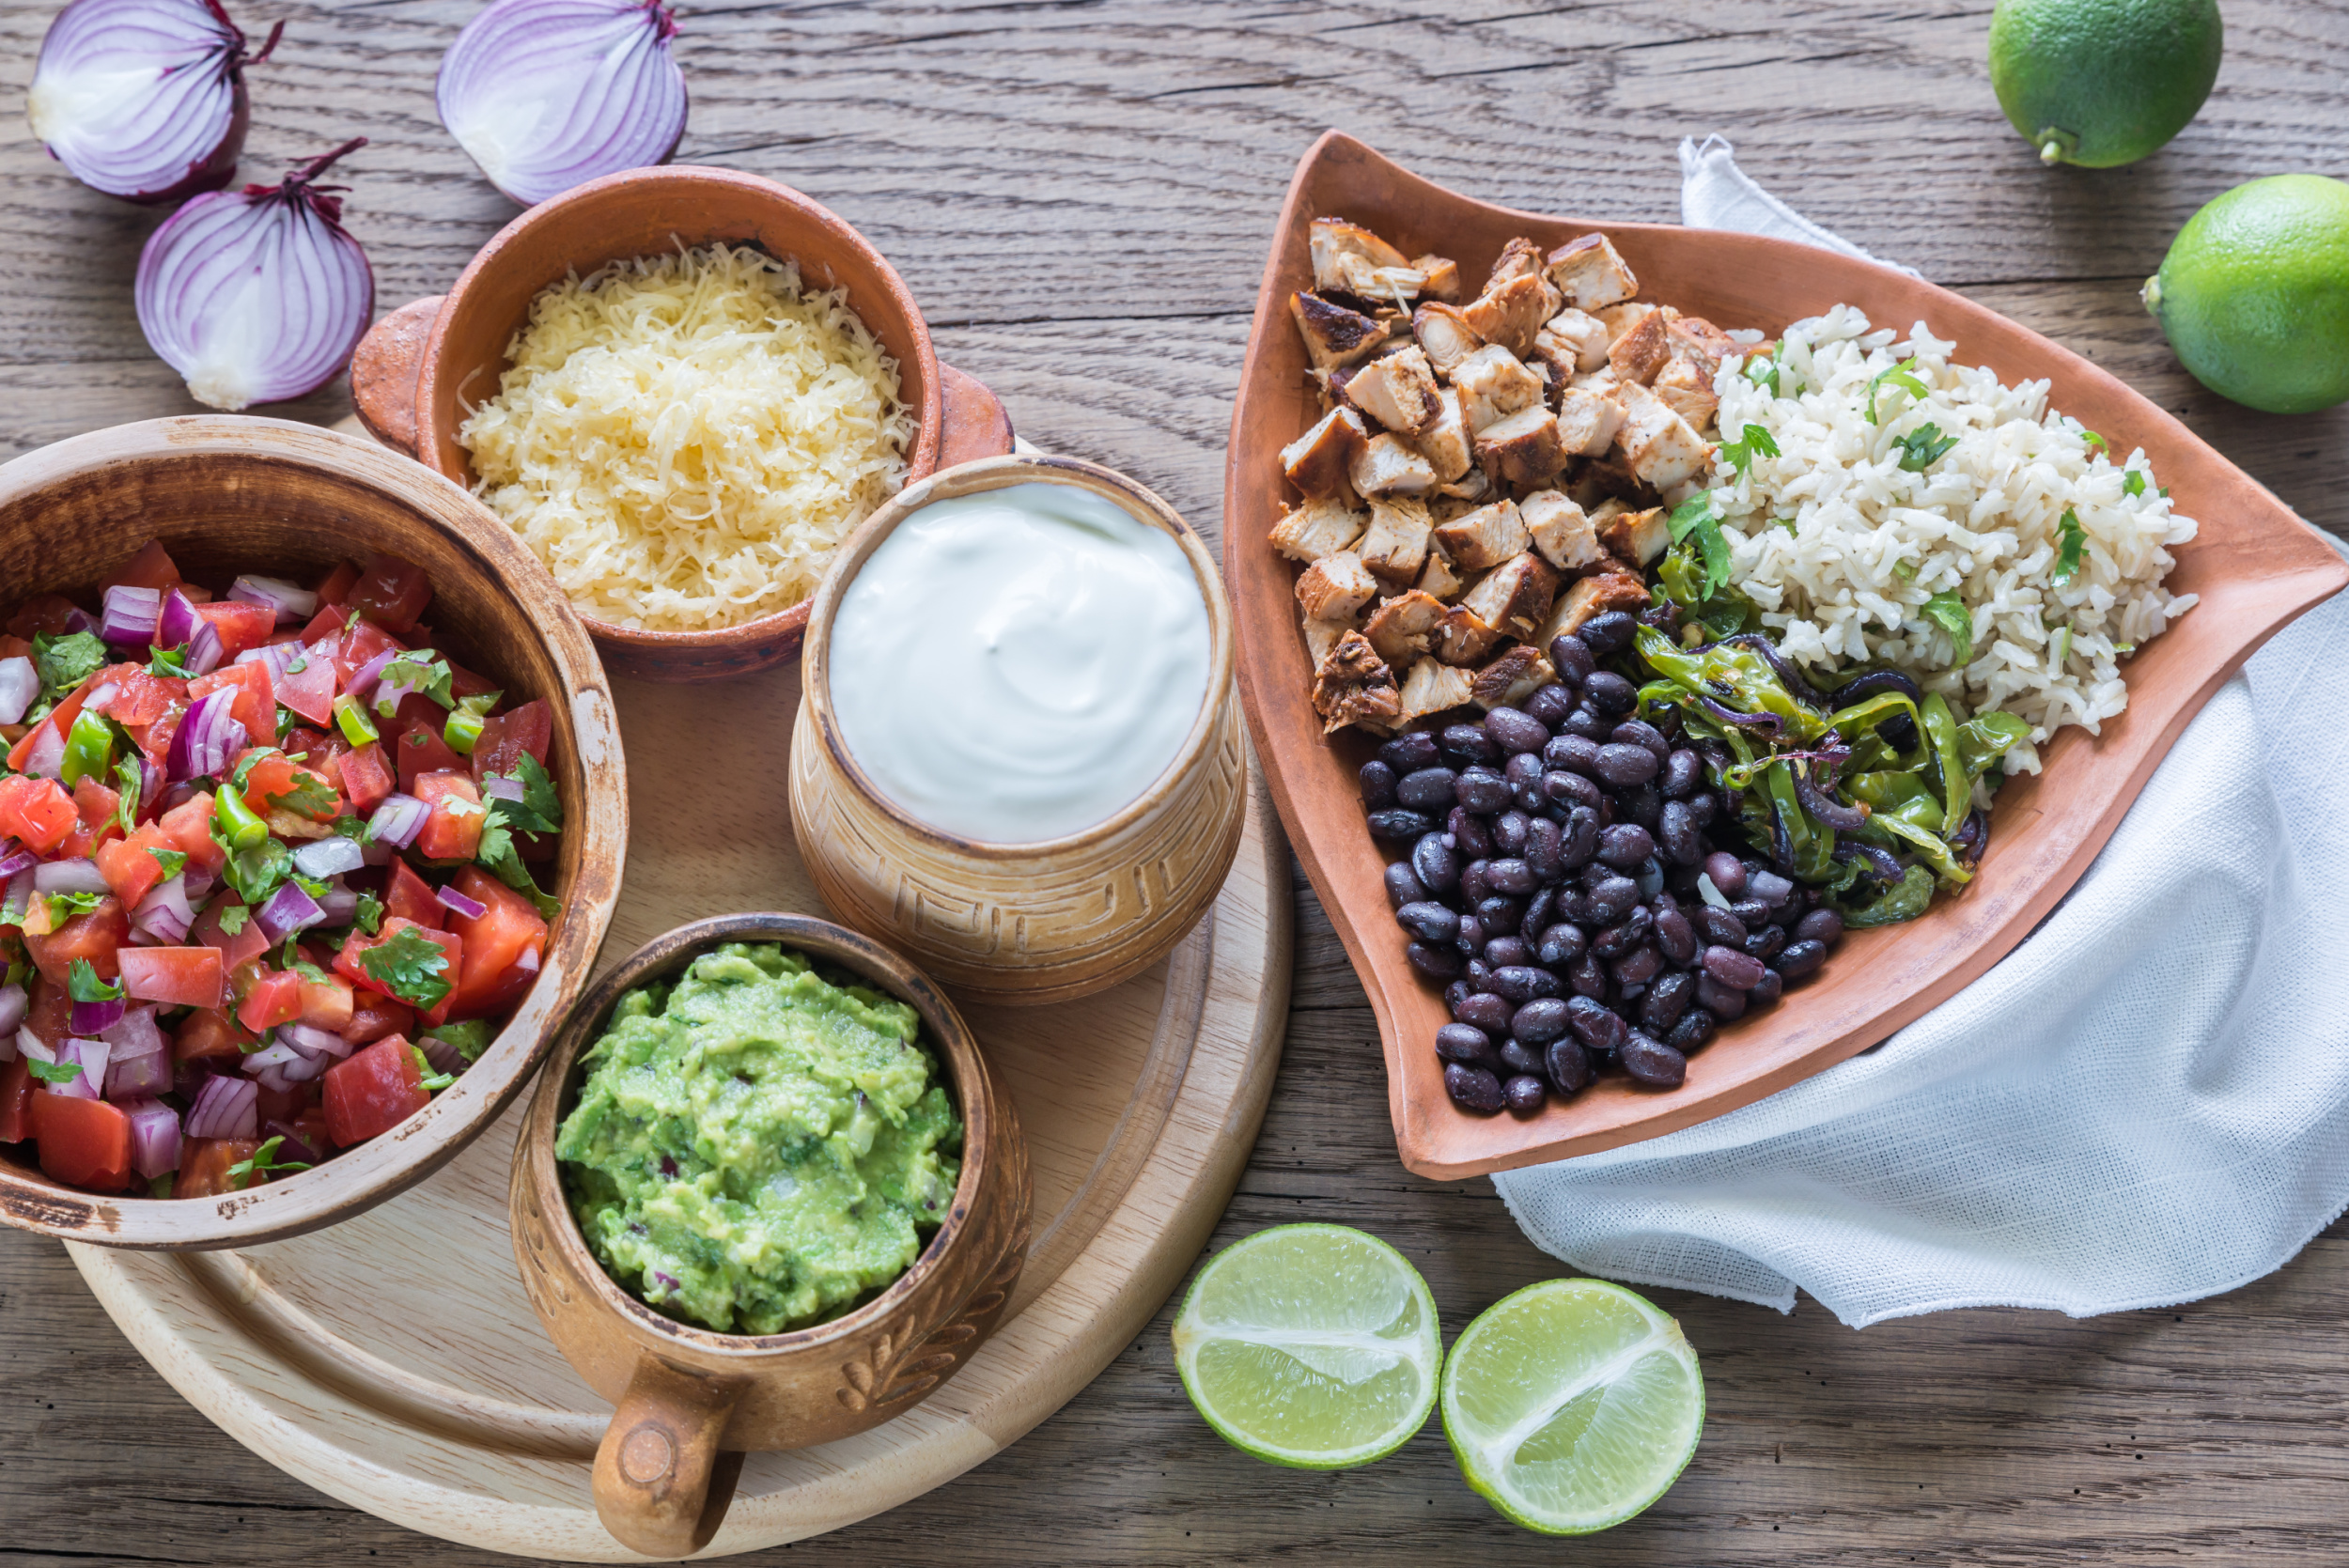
685 440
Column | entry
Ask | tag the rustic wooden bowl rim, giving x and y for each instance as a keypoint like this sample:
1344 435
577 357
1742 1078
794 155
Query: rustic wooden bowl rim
994 473
667 954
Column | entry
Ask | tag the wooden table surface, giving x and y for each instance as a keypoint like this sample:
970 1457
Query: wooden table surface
1079 190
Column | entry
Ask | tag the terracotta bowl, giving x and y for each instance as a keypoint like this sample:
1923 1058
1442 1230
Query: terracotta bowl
416 377
226 495
692 1401
2255 565
1023 923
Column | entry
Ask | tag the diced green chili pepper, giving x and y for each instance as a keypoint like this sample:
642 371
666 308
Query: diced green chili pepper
463 729
89 750
1941 741
350 715
240 828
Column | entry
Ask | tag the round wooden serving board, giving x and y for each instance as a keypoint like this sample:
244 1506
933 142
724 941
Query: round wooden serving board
392 1361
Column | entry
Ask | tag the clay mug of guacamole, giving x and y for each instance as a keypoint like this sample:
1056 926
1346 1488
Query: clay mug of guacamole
692 1401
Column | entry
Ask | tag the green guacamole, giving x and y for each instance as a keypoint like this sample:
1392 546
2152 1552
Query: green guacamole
755 1149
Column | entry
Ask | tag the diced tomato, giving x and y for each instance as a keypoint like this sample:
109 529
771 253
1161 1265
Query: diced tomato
275 998
14 647
130 866
463 683
373 1016
309 1123
273 782
155 739
51 1015
178 976
43 614
208 1032
240 626
306 742
366 778
85 1143
36 813
284 1105
205 1164
505 736
406 897
453 831
309 686
97 936
188 825
360 648
390 592
327 1003
255 705
94 807
326 626
337 584
495 940
236 950
372 1091
140 698
151 568
422 750
16 1100
349 963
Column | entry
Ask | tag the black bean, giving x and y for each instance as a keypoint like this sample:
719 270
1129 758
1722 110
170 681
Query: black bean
1796 959
1720 1000
1460 1042
1772 985
1676 936
1610 695
1525 1094
1719 925
1523 769
1540 910
1666 1000
1606 633
1570 655
1522 982
1684 774
1517 1057
1613 898
1786 914
1511 874
1501 914
1473 888
1569 1065
1677 832
1616 940
1588 976
1575 754
1467 743
1429 789
1471 834
1472 1088
1737 970
1589 722
1770 887
1752 911
1482 1010
1454 994
1728 872
1545 848
1551 704
1582 830
1478 971
1435 963
1624 766
1376 783
1509 832
1507 952
1561 945
1472 937
1690 1033
1625 846
1823 927
1764 944
1638 732
1633 971
1650 1061
1640 803
1437 865
1703 807
1539 1021
1515 730
1594 1025
1482 790
1571 789
1407 753
1403 885
1649 873
1429 921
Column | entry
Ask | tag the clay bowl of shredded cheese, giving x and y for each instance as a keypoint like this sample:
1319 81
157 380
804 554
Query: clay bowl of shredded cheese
683 388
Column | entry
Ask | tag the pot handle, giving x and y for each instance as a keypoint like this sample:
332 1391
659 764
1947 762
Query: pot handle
384 371
974 424
661 1486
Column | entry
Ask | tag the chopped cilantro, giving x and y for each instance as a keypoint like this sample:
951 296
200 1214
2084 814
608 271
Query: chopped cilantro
169 663
2095 441
289 957
1762 370
1925 446
433 1082
132 776
1693 516
64 905
259 871
410 965
369 915
83 985
1904 569
65 662
54 1072
1902 375
262 1163
173 861
471 1037
1948 612
414 670
1751 443
232 917
541 810
2073 540
2133 482
309 796
352 828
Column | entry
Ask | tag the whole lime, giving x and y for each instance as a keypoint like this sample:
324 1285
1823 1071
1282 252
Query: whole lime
2254 294
2101 83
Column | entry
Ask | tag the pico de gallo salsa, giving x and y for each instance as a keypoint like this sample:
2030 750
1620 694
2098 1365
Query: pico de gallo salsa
267 874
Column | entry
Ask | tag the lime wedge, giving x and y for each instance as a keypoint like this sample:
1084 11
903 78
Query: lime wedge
1572 1405
1311 1345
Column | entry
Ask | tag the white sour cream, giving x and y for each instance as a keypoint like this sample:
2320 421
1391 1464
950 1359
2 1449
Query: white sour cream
1019 664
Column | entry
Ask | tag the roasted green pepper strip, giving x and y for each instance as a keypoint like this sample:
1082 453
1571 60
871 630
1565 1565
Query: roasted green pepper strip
238 828
1894 831
88 748
1735 677
1863 719
1941 741
1901 794
1987 736
1905 900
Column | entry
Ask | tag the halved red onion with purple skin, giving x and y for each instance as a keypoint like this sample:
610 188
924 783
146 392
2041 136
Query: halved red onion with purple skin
143 100
548 94
257 295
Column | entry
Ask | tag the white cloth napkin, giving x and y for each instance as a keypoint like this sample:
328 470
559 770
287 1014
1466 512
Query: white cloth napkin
2146 1102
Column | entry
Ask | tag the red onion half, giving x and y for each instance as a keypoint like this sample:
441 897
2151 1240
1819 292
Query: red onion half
548 94
257 295
143 98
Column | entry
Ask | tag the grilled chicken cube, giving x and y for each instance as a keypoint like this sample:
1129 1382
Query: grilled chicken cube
1512 312
1336 587
1638 537
1319 462
1437 580
1575 334
1590 597
1348 257
1659 445
1602 380
1695 338
1511 678
1560 530
1493 384
1317 529
1520 258
1353 686
1397 390
1515 595
1471 487
1442 274
1322 636
1444 333
1605 508
1619 319
1587 421
1588 273
1523 449
1687 387
1639 353
1465 637
1405 626
1445 442
1386 466
1431 688
1396 545
1333 334
1484 537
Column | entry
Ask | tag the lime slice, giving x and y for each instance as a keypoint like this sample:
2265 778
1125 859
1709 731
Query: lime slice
1572 1405
1312 1346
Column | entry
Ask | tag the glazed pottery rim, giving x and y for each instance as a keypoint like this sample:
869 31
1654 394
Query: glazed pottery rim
647 185
1141 502
591 1013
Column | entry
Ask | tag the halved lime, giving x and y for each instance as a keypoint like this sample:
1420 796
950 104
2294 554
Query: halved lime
1572 1405
1311 1345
